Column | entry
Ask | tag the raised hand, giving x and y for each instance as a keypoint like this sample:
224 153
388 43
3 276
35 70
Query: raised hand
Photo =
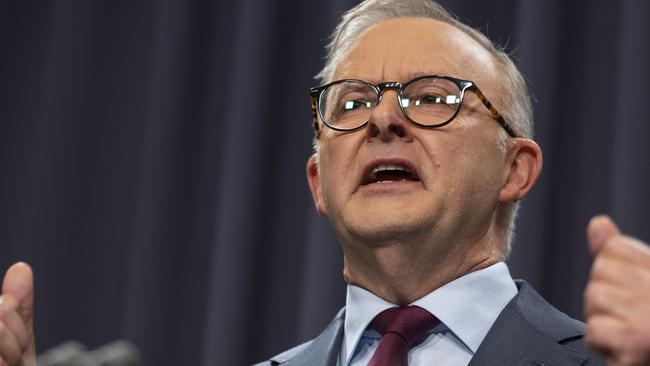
617 297
16 317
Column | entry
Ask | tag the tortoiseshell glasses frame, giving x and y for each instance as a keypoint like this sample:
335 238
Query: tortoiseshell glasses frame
463 86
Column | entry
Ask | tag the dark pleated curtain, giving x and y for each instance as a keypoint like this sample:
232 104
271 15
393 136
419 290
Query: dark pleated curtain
152 163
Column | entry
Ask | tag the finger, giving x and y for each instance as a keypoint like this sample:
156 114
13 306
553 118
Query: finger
627 270
19 284
613 339
601 298
599 230
605 335
10 318
627 249
9 348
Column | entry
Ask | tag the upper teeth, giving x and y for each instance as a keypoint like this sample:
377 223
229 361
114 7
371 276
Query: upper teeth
383 167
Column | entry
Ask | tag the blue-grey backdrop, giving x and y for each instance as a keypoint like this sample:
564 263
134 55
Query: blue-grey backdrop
152 162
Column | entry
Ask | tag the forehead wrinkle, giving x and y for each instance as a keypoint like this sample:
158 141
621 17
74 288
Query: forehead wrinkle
406 72
398 49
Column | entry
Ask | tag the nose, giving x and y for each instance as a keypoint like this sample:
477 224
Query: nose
387 122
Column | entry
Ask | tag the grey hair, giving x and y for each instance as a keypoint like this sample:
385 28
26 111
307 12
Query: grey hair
516 102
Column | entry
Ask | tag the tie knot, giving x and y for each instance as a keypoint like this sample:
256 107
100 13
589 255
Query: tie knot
410 322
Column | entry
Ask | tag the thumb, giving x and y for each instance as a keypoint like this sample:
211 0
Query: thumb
599 230
18 284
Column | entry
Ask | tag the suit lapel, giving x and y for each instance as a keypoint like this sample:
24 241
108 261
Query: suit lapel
323 351
513 342
529 331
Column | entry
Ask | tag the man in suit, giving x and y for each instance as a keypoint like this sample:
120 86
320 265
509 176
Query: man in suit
423 149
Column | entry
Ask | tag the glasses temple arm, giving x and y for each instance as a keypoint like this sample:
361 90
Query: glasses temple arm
495 114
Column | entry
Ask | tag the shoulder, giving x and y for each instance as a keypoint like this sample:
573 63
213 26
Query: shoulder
319 351
286 355
541 315
530 331
550 322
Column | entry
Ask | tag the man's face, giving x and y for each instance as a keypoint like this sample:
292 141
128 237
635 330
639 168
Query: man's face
457 170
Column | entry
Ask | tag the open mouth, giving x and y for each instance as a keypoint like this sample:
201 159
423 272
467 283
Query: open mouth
384 173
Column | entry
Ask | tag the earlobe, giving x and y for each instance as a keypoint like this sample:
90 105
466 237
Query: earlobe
313 178
525 165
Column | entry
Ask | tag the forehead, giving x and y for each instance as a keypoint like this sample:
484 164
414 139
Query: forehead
401 48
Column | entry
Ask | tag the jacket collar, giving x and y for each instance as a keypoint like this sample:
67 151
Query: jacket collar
529 331
322 351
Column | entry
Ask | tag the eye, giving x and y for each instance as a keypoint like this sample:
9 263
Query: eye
429 99
351 105
434 100
432 92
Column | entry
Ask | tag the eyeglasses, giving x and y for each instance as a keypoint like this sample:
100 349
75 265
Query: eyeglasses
430 101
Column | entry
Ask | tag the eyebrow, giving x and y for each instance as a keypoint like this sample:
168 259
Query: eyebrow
418 74
411 76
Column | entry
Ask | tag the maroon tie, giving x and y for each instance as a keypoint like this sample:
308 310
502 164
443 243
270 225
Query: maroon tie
400 329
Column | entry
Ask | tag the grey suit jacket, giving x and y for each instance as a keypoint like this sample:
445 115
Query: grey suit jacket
529 331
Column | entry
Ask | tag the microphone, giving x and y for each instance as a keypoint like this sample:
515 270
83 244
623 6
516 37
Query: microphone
74 353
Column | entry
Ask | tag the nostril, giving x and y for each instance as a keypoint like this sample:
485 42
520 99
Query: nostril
373 130
397 130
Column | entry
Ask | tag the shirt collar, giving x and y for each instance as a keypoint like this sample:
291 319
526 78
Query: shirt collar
468 306
361 306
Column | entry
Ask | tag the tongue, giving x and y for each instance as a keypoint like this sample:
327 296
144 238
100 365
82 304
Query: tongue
392 175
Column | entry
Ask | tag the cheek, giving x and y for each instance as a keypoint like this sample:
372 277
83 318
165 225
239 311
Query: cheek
338 156
482 173
473 173
334 165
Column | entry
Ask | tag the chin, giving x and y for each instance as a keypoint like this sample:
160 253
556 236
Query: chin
385 230
386 219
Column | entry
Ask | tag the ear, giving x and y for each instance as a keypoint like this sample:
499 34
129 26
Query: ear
524 164
313 178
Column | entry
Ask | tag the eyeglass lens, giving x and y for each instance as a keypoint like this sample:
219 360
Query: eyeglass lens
427 101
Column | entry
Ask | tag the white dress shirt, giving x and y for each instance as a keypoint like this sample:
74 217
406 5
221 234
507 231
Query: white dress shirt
466 307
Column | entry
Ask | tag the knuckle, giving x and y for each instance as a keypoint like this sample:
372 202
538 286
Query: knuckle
594 295
608 247
598 334
589 291
598 268
593 333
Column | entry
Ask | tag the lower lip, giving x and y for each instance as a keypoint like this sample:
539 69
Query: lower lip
390 187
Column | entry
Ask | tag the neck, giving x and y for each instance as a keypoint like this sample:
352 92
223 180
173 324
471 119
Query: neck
401 272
